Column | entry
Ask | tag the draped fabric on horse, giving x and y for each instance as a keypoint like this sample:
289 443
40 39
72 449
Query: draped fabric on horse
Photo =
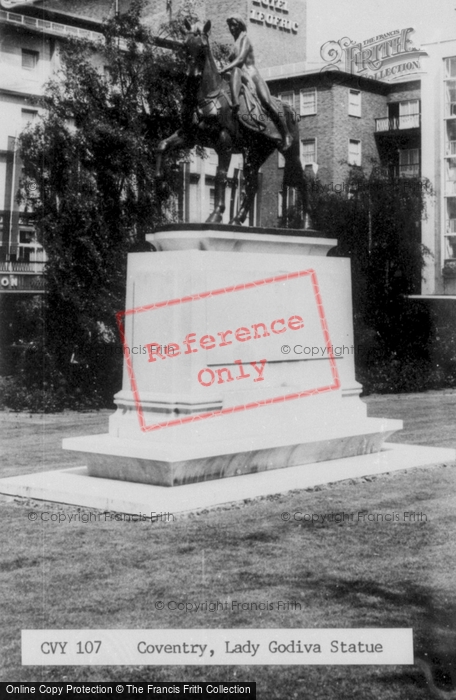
251 113
209 121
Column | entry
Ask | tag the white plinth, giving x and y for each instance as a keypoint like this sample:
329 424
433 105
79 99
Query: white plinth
239 359
75 487
229 239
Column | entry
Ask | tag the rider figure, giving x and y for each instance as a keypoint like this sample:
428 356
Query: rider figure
243 62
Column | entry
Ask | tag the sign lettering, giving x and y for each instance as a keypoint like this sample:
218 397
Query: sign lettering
381 57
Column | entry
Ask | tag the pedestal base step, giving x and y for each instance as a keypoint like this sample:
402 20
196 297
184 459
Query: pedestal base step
174 464
75 487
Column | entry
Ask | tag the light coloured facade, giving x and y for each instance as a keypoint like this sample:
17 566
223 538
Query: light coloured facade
29 57
27 61
438 90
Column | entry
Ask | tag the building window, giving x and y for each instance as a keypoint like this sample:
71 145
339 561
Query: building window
450 98
450 138
354 103
409 162
450 67
287 98
292 200
308 101
28 116
29 59
308 152
449 251
29 250
26 236
409 114
354 152
450 177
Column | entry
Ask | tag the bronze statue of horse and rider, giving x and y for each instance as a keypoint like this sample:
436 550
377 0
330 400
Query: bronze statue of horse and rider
236 117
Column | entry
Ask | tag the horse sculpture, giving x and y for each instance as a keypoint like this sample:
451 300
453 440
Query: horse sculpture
209 121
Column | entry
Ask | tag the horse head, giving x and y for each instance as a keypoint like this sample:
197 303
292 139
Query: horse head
196 47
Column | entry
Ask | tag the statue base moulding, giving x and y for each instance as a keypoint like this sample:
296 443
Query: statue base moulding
239 358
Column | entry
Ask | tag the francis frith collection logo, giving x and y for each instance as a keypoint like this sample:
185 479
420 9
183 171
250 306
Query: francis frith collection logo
389 56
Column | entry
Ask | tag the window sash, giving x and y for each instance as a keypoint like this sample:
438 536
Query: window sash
287 98
451 91
450 67
308 101
29 59
354 152
409 156
354 103
409 107
308 151
451 169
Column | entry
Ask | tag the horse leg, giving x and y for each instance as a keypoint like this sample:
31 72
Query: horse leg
177 140
294 176
252 164
284 221
224 157
251 188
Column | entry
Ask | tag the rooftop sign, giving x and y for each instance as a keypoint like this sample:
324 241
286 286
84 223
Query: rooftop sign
270 19
389 56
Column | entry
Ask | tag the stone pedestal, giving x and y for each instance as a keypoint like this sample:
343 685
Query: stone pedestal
239 358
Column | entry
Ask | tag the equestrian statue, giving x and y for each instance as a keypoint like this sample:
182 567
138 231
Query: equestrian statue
236 117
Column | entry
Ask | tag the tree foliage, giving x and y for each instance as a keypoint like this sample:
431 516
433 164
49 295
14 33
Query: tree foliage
89 181
376 220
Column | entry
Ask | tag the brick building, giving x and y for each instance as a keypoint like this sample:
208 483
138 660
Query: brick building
345 119
408 125
277 27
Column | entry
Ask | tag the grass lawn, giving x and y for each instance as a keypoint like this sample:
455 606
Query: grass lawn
347 574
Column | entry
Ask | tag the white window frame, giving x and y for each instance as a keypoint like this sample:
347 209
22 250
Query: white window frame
291 199
358 156
354 108
301 152
279 203
285 97
408 111
309 110
450 64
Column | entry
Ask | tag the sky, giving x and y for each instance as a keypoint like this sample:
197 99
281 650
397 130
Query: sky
434 20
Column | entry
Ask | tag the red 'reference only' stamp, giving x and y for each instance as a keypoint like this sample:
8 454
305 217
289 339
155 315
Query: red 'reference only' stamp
257 337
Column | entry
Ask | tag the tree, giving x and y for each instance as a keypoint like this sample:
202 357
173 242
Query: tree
89 180
376 220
